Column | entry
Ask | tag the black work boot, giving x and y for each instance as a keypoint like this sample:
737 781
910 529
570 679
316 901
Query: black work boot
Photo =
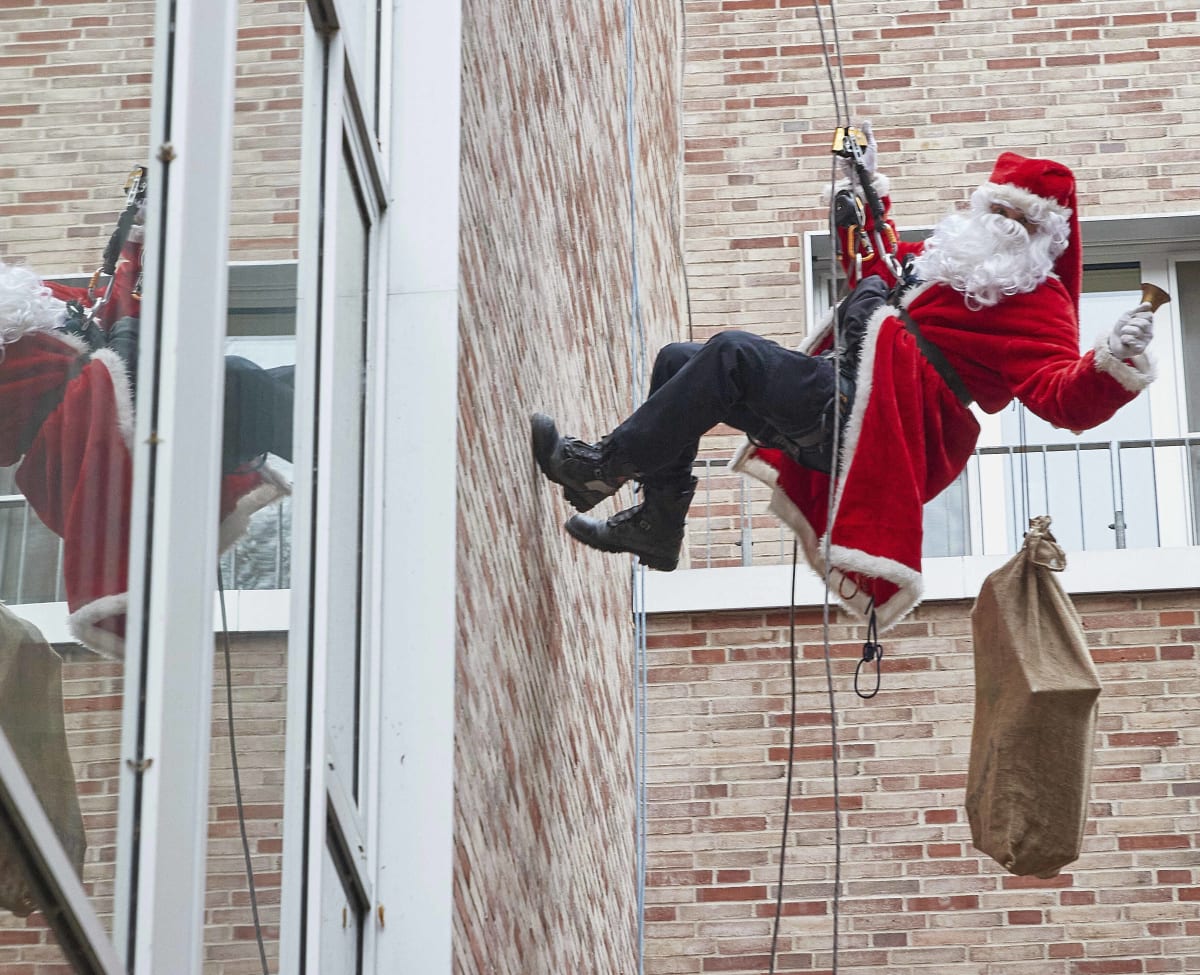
652 530
587 473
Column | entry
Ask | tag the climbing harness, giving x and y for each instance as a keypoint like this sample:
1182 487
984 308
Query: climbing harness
135 197
933 354
848 145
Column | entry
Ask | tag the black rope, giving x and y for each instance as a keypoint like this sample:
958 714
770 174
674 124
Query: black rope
787 802
829 66
837 45
872 652
237 778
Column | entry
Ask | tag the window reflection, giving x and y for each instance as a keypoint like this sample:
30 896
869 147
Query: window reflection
346 458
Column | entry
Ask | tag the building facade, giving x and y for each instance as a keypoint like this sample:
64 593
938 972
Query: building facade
1104 88
462 742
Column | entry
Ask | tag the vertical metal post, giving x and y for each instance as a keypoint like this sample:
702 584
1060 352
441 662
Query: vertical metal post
747 527
1114 466
159 924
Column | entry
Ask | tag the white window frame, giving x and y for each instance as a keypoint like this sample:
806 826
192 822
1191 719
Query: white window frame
408 739
162 828
1158 242
403 872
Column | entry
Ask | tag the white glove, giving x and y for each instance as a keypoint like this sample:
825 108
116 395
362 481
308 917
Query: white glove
1132 333
868 155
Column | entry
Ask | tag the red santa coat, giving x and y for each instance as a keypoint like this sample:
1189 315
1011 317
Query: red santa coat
67 419
908 437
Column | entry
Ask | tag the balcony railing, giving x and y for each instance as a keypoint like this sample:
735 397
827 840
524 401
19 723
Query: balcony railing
1100 496
31 556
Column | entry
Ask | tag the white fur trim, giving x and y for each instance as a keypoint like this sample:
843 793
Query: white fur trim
122 391
273 488
812 341
74 341
82 624
843 560
1133 375
1023 199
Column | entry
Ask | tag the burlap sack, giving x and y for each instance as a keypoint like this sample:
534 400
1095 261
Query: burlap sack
1036 698
31 714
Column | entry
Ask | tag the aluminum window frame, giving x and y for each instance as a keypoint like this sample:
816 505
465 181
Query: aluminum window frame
163 804
321 807
413 161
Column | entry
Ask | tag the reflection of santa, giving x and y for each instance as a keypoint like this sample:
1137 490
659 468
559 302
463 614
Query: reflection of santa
66 417
994 317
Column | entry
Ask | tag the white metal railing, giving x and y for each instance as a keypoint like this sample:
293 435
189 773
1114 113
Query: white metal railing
31 556
1100 495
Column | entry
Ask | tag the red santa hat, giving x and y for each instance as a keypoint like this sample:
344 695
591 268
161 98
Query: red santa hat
1038 185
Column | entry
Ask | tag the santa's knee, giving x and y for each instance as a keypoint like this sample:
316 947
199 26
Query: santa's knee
670 359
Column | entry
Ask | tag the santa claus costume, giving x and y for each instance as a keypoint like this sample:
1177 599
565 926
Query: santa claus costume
908 435
66 418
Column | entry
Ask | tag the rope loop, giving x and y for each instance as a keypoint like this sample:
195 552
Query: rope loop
872 652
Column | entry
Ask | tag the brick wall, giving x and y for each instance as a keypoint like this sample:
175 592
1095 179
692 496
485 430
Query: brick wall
544 826
92 692
75 112
917 897
1106 88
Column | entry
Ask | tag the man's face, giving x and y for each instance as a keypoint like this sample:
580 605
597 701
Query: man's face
1012 213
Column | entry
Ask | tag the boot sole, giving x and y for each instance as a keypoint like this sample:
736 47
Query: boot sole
657 562
543 438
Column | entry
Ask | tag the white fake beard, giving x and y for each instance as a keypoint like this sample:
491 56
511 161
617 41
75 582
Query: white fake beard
25 304
986 256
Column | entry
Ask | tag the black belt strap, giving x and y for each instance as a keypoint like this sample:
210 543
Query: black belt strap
939 362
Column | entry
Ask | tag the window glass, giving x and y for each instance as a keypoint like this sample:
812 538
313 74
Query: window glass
361 29
251 650
68 381
1089 483
68 355
261 355
346 451
1187 276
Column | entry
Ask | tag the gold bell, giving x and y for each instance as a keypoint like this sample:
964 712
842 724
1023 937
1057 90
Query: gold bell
1154 296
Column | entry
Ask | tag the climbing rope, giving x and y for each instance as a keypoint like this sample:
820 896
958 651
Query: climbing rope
638 571
842 111
237 778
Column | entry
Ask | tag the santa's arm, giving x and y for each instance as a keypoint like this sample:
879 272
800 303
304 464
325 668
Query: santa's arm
1075 392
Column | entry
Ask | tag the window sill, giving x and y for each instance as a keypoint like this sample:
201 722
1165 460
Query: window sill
766 586
248 611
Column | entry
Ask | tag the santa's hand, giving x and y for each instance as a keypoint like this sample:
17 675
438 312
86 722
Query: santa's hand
867 155
1133 332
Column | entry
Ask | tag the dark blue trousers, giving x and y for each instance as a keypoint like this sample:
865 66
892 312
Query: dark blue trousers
258 412
773 394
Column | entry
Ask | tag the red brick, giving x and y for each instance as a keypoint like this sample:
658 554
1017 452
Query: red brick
959 902
706 895
1152 842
